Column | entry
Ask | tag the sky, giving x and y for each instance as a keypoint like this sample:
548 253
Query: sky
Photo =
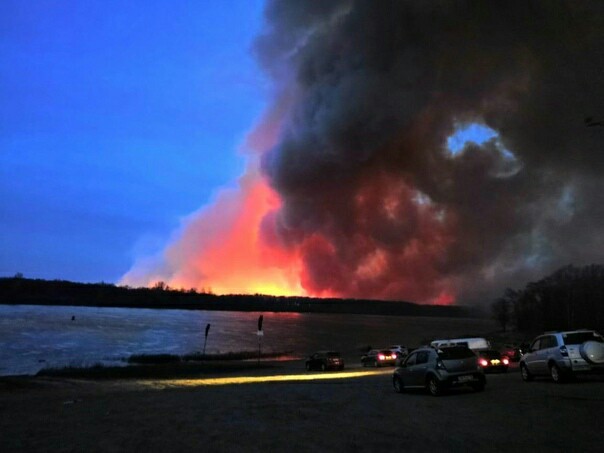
117 119
430 151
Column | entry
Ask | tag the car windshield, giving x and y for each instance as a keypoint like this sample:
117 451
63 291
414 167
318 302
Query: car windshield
581 337
454 353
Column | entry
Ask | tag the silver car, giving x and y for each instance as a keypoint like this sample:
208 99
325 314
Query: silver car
561 355
438 369
401 351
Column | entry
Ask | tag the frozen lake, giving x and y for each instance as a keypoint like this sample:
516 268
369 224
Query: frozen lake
34 337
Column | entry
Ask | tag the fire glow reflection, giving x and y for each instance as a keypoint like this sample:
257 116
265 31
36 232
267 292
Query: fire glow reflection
233 380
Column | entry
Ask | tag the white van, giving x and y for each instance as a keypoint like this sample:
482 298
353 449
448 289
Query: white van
475 344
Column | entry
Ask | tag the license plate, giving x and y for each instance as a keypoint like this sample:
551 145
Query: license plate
465 378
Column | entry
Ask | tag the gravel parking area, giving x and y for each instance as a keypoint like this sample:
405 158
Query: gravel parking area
356 412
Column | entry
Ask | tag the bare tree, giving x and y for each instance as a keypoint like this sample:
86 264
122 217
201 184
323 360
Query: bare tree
502 310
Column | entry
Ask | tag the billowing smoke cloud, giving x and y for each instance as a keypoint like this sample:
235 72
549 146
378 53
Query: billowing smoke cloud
369 202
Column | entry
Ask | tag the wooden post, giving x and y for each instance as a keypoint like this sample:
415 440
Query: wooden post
260 335
205 341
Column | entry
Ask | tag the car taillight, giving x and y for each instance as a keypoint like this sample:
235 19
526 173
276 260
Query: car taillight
506 361
381 357
483 362
394 355
440 365
563 351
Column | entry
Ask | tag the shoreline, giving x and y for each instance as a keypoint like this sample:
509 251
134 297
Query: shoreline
166 366
334 308
133 372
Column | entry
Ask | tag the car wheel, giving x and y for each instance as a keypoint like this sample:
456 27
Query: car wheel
323 367
525 373
307 366
434 386
556 374
398 385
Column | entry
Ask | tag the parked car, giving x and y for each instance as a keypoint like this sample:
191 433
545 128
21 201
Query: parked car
438 369
492 360
562 355
325 360
401 351
379 357
512 352
475 344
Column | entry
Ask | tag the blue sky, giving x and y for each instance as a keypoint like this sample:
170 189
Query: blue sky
116 120
473 132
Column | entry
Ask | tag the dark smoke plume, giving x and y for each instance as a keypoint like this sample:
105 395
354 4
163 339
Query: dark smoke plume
372 199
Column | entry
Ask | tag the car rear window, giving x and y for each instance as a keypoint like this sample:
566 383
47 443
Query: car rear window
333 354
491 354
581 337
454 353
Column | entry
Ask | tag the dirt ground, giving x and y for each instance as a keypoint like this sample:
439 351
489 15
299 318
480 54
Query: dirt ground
345 412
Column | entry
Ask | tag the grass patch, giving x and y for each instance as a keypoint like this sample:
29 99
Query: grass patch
243 355
167 366
152 371
153 358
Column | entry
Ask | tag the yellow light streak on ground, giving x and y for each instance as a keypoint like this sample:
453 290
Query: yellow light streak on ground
260 379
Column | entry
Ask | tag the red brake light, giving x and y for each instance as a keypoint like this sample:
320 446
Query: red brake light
381 357
483 362
394 355
506 361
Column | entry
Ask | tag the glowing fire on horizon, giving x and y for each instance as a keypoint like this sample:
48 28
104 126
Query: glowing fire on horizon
221 249
230 248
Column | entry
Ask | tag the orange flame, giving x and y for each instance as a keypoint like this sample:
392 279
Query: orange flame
221 250
444 298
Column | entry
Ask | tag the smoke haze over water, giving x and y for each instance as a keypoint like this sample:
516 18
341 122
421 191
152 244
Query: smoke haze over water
352 190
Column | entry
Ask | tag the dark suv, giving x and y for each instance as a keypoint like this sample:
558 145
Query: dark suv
325 360
561 355
438 369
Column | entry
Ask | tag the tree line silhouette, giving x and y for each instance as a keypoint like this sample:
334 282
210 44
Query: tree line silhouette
570 298
20 290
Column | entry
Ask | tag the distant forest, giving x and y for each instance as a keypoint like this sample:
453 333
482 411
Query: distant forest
20 290
570 298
